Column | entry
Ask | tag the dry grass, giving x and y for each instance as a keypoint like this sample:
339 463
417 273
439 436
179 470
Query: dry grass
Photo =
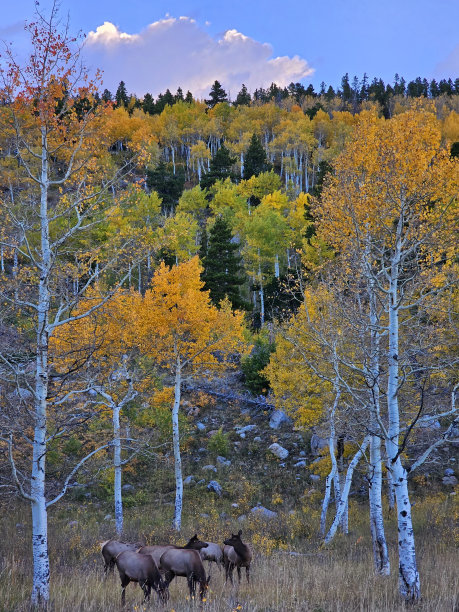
337 579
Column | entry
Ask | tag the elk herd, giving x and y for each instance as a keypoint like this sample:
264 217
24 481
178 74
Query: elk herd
156 566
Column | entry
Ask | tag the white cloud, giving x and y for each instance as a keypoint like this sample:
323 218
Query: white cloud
172 53
449 67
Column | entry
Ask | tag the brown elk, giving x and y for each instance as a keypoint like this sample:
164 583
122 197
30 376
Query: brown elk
158 550
185 562
134 567
212 553
236 554
111 548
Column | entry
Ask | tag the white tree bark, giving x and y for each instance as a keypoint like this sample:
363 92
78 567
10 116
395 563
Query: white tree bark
117 467
345 492
177 523
409 583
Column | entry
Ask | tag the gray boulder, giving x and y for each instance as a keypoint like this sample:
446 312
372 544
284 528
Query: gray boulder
243 431
279 418
209 468
200 426
301 463
450 481
314 477
278 450
223 461
189 480
263 512
317 444
215 487
127 488
449 472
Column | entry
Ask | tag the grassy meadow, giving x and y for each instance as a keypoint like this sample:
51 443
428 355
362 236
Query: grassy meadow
290 571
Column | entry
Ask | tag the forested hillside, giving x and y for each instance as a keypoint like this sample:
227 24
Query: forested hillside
268 284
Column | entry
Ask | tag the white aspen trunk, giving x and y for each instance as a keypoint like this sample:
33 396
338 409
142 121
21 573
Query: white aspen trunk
390 490
276 266
173 158
177 523
140 277
2 261
409 583
345 492
40 588
378 536
331 475
262 294
117 467
242 164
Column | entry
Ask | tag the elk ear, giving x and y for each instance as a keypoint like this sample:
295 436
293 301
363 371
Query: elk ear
240 532
195 537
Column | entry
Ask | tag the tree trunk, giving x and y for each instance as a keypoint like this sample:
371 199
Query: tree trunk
40 589
345 492
176 442
380 552
117 467
409 583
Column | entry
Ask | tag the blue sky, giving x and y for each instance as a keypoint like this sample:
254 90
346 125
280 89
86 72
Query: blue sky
315 41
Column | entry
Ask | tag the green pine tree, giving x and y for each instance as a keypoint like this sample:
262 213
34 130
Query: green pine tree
220 168
255 159
222 265
216 95
167 185
121 96
243 98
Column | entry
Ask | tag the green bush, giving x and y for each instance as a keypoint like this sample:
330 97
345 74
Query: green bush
253 365
219 443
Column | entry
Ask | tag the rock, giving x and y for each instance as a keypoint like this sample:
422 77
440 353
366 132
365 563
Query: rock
235 505
204 515
189 480
212 433
450 481
302 454
428 424
215 487
223 461
202 481
279 418
108 517
127 488
243 431
449 472
264 512
257 439
301 463
278 450
223 516
314 477
24 394
317 444
73 524
209 468
242 518
202 450
200 426
19 526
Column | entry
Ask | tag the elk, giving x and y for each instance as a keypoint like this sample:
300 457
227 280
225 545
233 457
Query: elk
134 567
158 550
111 548
185 562
236 554
212 553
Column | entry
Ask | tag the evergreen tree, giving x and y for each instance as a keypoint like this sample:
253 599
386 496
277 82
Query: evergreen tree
189 97
107 96
243 98
179 95
220 168
121 96
167 185
255 159
216 95
222 265
164 100
148 104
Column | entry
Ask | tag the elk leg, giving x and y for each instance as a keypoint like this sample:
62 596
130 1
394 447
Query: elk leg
239 574
125 580
169 577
